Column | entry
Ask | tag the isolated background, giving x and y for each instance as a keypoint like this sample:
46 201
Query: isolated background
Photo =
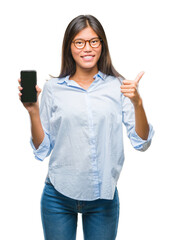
139 34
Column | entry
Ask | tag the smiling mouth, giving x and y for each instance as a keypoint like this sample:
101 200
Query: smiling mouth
88 57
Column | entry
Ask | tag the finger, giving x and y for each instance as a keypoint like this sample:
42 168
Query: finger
20 88
129 95
127 82
128 90
37 88
19 80
128 86
139 76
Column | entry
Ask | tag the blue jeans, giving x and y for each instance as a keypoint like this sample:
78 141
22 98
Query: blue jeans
59 216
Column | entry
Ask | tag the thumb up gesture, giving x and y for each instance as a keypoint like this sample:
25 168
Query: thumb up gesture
129 89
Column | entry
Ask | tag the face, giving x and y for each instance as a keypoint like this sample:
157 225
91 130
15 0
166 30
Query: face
87 57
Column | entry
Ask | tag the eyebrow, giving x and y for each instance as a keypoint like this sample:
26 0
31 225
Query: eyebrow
84 39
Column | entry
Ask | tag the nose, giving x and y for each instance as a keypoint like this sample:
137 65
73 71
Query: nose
87 47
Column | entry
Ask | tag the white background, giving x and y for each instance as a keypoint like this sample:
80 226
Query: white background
139 34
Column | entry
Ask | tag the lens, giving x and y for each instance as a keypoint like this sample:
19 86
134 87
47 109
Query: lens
95 42
79 43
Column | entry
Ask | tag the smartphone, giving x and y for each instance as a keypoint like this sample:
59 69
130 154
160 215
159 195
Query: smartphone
28 83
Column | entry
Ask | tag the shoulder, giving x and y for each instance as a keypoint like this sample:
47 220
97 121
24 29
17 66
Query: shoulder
48 86
115 80
52 82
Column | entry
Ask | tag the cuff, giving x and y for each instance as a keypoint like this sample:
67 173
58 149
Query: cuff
139 143
42 151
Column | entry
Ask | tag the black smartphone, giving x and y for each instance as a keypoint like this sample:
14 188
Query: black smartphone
28 83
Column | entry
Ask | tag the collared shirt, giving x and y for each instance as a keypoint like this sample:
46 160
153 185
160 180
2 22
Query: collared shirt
84 135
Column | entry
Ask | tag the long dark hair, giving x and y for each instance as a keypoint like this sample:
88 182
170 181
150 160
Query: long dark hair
68 65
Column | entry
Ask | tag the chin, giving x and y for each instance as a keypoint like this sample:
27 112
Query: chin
88 66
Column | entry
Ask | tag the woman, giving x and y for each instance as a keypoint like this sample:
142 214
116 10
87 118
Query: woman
80 124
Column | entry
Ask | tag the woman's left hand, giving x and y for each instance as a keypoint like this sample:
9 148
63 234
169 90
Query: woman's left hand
129 89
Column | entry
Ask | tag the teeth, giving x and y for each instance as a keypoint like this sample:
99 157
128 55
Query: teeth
88 57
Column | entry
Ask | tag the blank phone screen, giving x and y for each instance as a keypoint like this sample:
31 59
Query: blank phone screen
28 83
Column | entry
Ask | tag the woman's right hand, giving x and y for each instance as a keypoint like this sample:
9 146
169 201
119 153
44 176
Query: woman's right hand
30 107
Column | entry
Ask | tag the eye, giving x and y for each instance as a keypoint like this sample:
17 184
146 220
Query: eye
94 41
79 42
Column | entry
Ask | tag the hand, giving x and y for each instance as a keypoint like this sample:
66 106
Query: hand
129 89
31 107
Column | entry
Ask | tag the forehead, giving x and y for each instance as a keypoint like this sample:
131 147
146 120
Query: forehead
86 33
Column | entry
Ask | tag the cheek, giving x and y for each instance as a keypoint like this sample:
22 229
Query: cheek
99 51
75 53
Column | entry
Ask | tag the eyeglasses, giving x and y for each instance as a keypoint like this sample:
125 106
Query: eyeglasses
93 42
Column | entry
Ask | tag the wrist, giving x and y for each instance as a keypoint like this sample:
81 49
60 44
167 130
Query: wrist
138 104
34 112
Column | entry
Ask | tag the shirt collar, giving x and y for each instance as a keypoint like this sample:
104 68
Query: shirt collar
100 75
96 76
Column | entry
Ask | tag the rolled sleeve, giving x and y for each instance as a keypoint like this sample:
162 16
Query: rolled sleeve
43 150
139 143
128 118
45 147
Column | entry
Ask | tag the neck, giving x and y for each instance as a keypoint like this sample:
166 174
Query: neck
84 75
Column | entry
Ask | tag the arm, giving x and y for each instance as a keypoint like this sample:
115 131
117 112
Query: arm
129 89
33 110
40 125
36 128
141 123
39 117
139 130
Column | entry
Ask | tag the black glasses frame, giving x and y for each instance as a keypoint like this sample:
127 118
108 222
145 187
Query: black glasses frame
87 41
